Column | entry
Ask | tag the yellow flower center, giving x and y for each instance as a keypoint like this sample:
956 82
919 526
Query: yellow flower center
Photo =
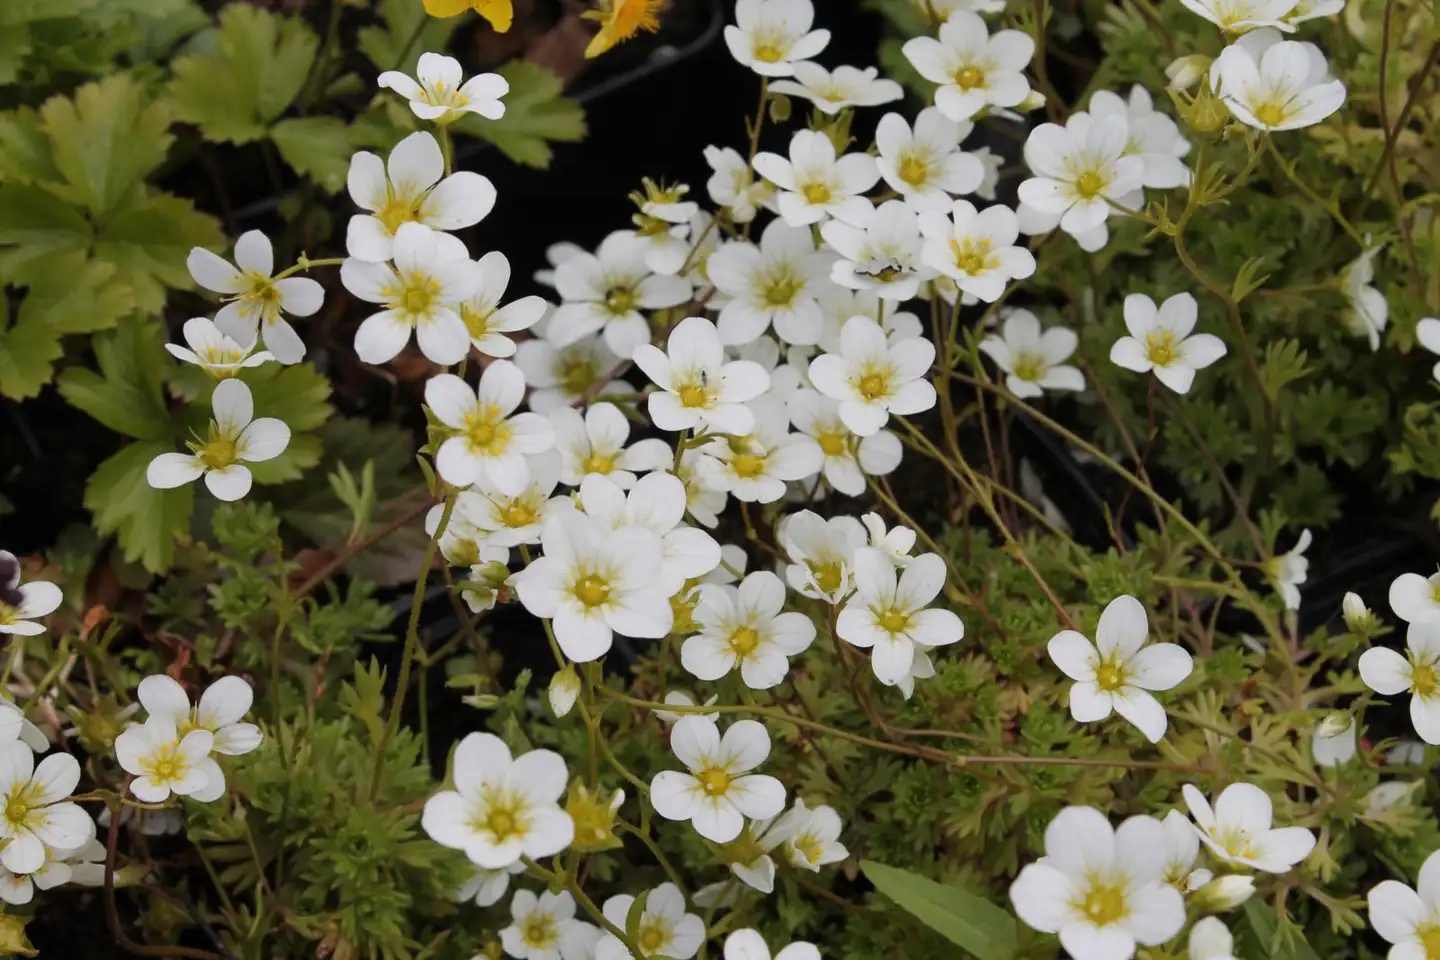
714 780
652 937
417 295
769 52
1028 367
504 818
1234 842
892 620
781 291
538 932
1422 680
816 192
592 590
968 78
1160 347
18 804
486 431
577 373
220 355
1110 677
598 463
809 846
971 256
1271 114
166 765
476 321
519 513
620 300
873 386
1104 904
220 452
913 169
833 442
8 614
748 465
828 576
744 641
397 211
1430 939
694 395
1089 184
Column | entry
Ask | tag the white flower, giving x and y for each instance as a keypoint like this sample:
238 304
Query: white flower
1406 918
881 252
769 36
562 376
487 321
501 808
1033 361
439 94
749 945
889 615
221 709
1333 742
1210 939
1291 569
846 463
433 273
594 582
925 165
812 836
1238 16
486 887
1275 84
743 627
895 543
83 865
595 444
214 352
976 249
236 438
1313 10
491 441
776 283
696 385
1099 888
814 184
664 928
1238 829
537 924
1223 893
1116 671
974 69
1427 332
733 185
163 762
833 91
606 290
821 554
35 813
702 500
20 606
1161 340
1368 311
411 187
679 698
755 467
1154 137
1389 674
1182 849
719 792
657 504
256 300
1080 169
1414 598
873 378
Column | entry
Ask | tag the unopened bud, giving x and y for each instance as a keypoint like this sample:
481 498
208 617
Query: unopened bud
1034 100
1206 113
1185 72
1224 893
564 689
1358 617
1334 741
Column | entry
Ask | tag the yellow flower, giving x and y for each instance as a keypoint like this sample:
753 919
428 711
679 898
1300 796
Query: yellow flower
620 20
499 12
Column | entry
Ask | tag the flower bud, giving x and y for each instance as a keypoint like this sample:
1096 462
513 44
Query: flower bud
1334 740
1206 113
1358 617
1034 100
594 818
1185 72
1224 893
564 689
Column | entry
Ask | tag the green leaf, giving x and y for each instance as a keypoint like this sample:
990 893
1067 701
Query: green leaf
317 147
14 48
383 45
256 70
147 521
365 698
34 224
295 394
105 140
1279 943
970 922
126 394
302 453
150 240
25 147
535 115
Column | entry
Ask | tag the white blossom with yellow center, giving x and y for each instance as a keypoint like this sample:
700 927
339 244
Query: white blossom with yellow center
235 438
719 791
1274 84
257 301
1417 672
815 184
1238 829
976 248
821 553
925 165
490 440
974 69
755 467
1162 340
1082 172
439 92
664 929
597 442
608 291
873 378
772 37
848 459
891 616
697 385
214 352
1240 16
743 628
538 925
34 808
775 283
833 91
1409 917
1032 359
163 762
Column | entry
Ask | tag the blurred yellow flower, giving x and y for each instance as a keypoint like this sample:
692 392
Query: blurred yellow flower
500 13
620 20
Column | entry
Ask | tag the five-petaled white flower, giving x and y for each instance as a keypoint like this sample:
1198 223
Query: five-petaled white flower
437 93
1238 829
538 925
873 378
925 165
221 711
696 385
771 36
975 70
433 273
214 352
236 438
410 187
755 467
976 249
744 627
20 606
490 440
1414 598
1033 360
1274 84
815 184
1117 671
1162 341
607 290
749 945
1240 16
502 808
812 836
1406 917
657 504
163 762
256 300
593 582
561 376
664 928
846 462
1389 673
821 554
1080 170
595 443
880 253
34 809
1154 136
776 283
890 615
833 91
719 792
1101 889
